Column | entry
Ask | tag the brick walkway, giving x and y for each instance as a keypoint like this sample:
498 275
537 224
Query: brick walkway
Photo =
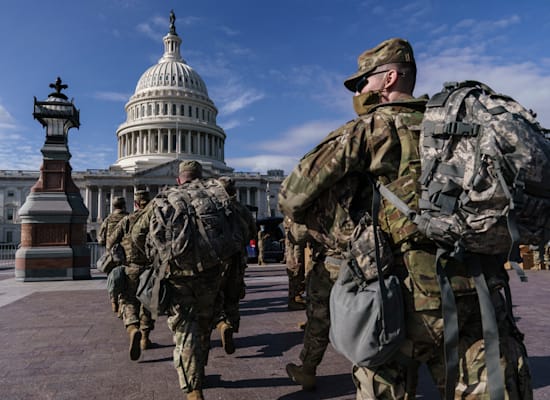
61 341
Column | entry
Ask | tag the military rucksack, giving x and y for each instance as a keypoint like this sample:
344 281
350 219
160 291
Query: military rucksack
193 228
485 183
484 188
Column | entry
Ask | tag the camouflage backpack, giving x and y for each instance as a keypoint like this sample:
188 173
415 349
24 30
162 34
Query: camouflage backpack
193 227
485 182
484 188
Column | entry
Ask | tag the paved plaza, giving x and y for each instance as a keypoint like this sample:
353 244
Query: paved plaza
60 341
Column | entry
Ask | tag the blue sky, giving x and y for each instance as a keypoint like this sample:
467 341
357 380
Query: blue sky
274 69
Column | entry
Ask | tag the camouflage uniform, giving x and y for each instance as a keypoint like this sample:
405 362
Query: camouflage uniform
131 232
384 142
262 243
191 320
193 311
541 257
295 243
106 229
233 286
193 294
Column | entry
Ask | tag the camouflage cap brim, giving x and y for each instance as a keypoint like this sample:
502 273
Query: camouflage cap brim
391 51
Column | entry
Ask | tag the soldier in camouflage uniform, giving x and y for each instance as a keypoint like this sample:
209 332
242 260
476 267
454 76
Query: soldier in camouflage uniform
262 243
383 141
295 264
137 319
541 257
107 227
233 286
192 308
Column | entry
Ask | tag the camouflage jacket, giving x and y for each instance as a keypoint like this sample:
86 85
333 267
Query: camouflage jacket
329 190
109 224
131 233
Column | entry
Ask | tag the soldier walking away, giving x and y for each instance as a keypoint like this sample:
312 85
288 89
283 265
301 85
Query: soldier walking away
107 227
263 237
185 238
137 319
383 142
233 288
295 263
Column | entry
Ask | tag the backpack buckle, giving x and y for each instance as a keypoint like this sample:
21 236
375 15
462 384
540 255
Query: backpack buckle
461 129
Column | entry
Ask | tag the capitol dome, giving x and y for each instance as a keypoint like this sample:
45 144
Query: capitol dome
170 116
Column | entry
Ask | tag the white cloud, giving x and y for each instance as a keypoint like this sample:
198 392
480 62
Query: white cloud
88 157
6 120
149 31
230 124
526 82
228 31
240 101
233 96
18 152
300 139
264 162
112 96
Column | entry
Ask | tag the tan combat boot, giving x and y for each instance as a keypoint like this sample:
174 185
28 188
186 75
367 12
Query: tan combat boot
296 303
226 334
135 338
145 343
114 305
195 395
302 374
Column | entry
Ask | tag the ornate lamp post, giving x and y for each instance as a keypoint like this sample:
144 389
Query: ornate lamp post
53 218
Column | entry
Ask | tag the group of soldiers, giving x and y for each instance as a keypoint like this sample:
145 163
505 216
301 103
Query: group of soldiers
322 204
197 303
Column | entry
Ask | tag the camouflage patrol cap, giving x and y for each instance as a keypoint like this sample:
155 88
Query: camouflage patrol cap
119 202
190 165
142 196
388 52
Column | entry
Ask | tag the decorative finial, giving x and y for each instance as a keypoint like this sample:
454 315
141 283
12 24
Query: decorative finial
172 22
58 86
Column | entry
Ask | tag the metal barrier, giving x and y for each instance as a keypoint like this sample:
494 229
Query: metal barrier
7 254
96 251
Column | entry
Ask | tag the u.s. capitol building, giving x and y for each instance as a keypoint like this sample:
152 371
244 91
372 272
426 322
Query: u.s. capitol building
169 118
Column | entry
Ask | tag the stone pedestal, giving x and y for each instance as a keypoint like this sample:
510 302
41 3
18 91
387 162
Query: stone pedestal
53 218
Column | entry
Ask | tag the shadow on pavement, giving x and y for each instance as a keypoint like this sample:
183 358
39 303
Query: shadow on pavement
328 386
271 344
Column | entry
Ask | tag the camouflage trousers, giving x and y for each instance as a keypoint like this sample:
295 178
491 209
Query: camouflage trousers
541 257
191 319
232 291
316 335
296 279
424 344
133 313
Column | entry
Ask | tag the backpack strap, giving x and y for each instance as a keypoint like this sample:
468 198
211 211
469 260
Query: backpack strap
450 325
495 374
